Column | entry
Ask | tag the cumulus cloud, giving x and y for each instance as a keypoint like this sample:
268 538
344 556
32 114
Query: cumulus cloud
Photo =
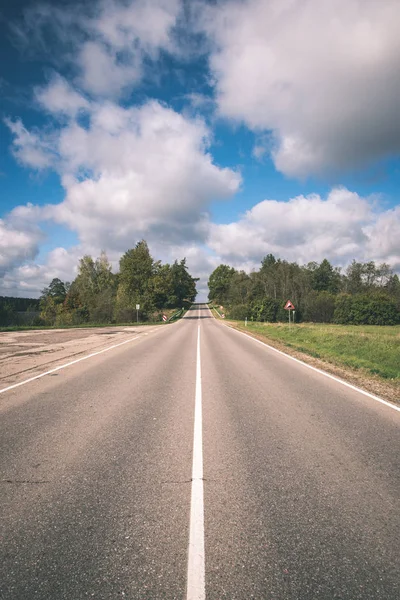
341 227
31 278
317 83
30 147
58 97
128 172
121 37
19 241
384 237
322 76
135 172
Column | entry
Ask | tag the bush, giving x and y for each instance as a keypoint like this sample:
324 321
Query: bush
7 315
239 312
319 307
264 310
364 309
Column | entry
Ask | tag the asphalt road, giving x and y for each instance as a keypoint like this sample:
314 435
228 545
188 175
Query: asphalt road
300 477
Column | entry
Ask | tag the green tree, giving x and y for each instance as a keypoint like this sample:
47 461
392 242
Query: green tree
264 310
183 285
239 289
55 290
8 315
162 285
51 299
91 295
319 307
353 283
135 282
367 309
268 276
325 278
219 283
393 287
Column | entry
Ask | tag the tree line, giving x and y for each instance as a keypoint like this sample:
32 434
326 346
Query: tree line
364 293
17 310
97 295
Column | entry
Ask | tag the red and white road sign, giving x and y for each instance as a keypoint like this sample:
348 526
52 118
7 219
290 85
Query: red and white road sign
164 318
289 306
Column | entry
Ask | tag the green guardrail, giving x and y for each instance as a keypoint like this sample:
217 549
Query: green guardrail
176 315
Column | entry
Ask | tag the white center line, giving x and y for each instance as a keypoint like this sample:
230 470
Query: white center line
196 570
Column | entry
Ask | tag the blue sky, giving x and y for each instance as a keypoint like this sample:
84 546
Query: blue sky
219 131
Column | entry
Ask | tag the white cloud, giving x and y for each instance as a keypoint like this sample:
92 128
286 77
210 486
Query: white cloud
324 83
103 74
137 172
30 148
384 237
149 175
306 228
322 76
28 280
121 37
58 97
122 25
19 242
111 39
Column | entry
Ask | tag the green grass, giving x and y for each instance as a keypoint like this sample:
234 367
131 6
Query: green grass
368 347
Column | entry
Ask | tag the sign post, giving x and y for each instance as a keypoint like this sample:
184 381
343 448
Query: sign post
137 312
289 306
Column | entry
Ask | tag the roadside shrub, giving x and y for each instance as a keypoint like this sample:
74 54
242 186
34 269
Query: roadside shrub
282 314
264 310
364 309
239 312
7 315
319 307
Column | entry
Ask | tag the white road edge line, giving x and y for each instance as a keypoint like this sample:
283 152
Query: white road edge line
349 385
196 556
73 362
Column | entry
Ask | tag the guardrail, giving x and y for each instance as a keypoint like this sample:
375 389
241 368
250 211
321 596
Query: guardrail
217 311
176 315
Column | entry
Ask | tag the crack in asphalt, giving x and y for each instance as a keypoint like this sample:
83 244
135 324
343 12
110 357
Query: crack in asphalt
30 481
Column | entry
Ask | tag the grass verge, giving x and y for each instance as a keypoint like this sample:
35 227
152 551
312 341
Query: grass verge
369 354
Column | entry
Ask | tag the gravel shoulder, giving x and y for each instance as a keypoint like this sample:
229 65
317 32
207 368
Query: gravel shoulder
29 353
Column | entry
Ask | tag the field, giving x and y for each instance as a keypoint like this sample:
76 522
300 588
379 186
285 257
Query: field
369 349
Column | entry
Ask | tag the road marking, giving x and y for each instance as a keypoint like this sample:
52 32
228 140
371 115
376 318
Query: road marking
73 362
196 570
349 385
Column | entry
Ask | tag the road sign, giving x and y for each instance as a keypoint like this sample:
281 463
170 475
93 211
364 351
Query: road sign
164 318
137 306
289 306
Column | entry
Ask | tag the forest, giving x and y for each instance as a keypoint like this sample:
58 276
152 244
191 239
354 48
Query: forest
362 294
97 295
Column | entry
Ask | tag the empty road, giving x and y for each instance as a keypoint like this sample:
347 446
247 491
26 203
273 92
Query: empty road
192 463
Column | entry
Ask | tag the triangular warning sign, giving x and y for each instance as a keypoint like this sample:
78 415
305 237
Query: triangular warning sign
289 305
